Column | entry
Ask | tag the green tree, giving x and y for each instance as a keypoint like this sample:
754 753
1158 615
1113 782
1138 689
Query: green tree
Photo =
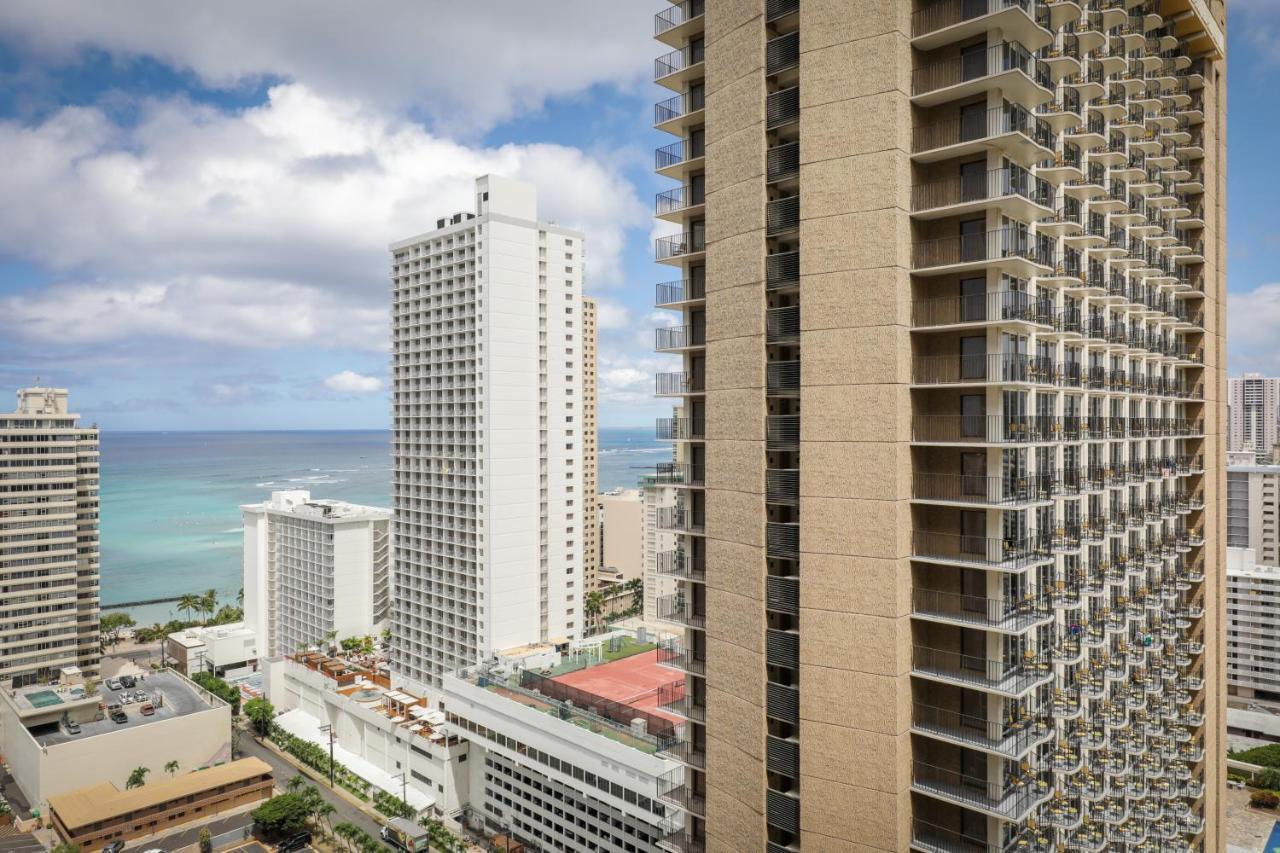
283 814
209 603
240 597
206 840
593 606
636 587
260 712
66 848
323 812
138 777
112 624
346 831
171 767
296 783
189 603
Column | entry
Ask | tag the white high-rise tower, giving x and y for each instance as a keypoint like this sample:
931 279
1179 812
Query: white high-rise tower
48 540
489 510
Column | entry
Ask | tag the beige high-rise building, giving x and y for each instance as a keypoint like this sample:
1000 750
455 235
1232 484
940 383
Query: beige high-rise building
590 445
49 585
951 283
1253 401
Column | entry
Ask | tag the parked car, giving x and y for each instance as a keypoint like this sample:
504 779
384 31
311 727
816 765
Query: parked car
119 717
147 709
113 684
113 707
296 842
129 681
114 847
72 727
141 696
126 698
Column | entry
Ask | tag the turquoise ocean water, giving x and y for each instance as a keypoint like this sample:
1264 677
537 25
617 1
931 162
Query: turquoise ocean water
170 500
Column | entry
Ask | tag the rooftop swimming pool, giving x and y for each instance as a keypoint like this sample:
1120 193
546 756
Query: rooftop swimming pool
43 699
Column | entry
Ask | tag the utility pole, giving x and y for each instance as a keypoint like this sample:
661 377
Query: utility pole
329 729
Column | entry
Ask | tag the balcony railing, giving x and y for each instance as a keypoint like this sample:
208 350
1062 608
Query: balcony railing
982 308
679 245
974 65
668 384
984 429
782 378
1010 738
783 161
1005 553
947 13
677 152
997 183
783 107
675 292
974 126
782 325
978 489
1010 800
782 540
676 199
782 432
782 215
1003 613
982 368
678 337
677 60
782 53
782 485
998 244
932 838
674 108
782 269
669 19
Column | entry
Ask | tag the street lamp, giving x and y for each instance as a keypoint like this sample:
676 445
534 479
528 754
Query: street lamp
404 786
329 729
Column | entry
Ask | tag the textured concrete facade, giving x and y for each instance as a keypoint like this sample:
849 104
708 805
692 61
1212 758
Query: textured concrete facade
951 314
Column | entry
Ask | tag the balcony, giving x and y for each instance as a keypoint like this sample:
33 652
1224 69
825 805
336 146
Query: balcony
782 270
677 68
930 838
782 486
782 702
782 108
969 489
1010 801
1013 191
1019 76
674 26
1010 739
782 53
782 540
1009 249
678 564
782 432
1011 679
782 215
679 429
678 114
680 610
782 649
679 158
782 594
782 162
674 204
948 21
985 429
1008 306
677 294
679 338
680 247
1011 129
1005 615
676 384
678 519
1010 554
982 369
782 378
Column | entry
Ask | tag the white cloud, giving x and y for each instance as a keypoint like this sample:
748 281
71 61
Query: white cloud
628 380
611 315
466 65
261 228
350 382
1253 318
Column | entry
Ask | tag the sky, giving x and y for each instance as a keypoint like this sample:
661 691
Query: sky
196 200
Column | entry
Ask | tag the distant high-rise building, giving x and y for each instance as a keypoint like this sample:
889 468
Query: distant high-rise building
590 442
621 513
660 494
949 281
488 425
49 576
1253 626
1253 507
313 568
1253 404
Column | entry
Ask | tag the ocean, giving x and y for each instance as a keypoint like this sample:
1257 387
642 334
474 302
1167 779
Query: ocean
170 500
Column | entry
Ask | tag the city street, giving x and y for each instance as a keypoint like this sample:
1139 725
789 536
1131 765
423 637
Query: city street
284 771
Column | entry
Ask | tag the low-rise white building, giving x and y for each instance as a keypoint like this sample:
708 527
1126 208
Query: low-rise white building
313 568
396 741
225 650
572 762
56 738
1253 627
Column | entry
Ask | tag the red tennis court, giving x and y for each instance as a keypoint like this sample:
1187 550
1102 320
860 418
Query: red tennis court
632 681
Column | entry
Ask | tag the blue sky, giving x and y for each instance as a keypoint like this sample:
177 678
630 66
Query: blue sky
195 206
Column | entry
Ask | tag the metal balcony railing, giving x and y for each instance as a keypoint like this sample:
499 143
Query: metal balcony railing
669 429
677 60
782 756
782 215
782 269
675 292
1011 739
679 337
680 609
677 152
1006 553
782 485
998 244
676 199
782 702
1010 800
977 489
774 9
782 161
946 13
669 19
782 325
783 378
782 540
681 105
782 52
996 183
782 107
782 811
667 384
932 838
982 308
984 429
782 432
782 648
1004 613
782 594
974 126
983 368
974 65
679 245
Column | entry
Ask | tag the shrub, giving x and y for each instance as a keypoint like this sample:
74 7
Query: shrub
1266 756
391 805
283 814
1264 799
1268 778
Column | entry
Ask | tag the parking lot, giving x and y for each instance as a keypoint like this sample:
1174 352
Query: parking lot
171 695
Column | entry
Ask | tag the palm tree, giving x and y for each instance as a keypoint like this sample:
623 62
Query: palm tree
188 604
171 767
296 783
240 597
323 811
209 603
593 605
138 777
636 587
346 831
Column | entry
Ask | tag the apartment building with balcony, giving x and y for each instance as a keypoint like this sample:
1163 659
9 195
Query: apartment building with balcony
313 567
49 571
949 279
590 442
1253 507
1253 401
489 505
